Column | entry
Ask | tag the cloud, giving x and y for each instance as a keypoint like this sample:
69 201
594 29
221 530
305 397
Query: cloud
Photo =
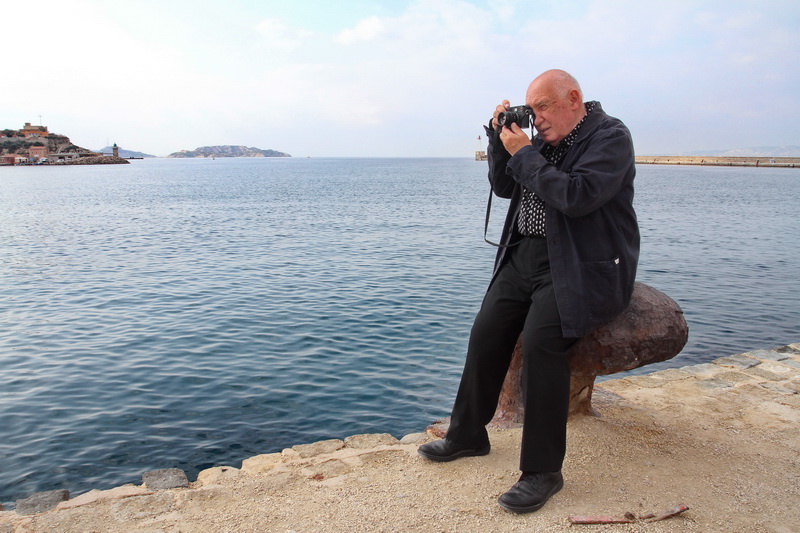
366 30
418 79
279 37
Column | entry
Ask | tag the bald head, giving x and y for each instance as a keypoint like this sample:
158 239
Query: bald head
557 102
558 81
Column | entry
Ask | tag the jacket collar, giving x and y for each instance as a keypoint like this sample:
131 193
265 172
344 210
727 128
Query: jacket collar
592 122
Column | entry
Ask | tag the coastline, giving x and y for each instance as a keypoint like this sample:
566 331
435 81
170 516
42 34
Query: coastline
718 437
784 162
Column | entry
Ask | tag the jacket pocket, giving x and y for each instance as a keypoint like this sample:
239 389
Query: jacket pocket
602 288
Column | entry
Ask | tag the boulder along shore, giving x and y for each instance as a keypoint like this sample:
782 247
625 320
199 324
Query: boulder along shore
719 438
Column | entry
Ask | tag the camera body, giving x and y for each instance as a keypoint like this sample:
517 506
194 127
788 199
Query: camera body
522 115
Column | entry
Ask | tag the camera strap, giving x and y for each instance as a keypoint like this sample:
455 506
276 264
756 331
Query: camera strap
486 225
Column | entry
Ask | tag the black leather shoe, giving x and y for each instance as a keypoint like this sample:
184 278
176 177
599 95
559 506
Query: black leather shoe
446 450
531 492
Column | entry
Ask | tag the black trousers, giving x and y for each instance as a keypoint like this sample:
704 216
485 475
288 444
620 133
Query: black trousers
520 299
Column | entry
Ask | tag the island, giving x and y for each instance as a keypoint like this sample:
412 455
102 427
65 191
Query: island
127 154
228 151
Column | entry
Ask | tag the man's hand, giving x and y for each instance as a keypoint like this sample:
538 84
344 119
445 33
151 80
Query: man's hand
499 109
513 138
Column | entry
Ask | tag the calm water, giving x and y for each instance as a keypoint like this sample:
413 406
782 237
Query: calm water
193 313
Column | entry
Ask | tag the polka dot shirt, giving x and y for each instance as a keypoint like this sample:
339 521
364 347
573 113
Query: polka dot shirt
531 215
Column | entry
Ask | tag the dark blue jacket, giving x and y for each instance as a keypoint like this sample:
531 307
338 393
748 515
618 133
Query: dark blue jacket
592 233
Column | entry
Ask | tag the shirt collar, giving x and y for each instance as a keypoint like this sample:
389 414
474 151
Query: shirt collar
553 154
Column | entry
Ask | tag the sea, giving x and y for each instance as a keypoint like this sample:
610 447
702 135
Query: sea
193 313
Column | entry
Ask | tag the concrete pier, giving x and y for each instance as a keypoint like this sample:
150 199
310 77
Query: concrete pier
784 162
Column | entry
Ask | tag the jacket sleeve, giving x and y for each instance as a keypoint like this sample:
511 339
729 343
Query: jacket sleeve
502 182
597 175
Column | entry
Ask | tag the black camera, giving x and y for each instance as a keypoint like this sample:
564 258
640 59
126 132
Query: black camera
522 115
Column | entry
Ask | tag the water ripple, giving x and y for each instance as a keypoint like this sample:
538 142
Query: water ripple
195 313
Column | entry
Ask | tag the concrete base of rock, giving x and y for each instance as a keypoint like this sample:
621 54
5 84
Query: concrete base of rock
650 330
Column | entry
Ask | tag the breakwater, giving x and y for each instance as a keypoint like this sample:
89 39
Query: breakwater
786 162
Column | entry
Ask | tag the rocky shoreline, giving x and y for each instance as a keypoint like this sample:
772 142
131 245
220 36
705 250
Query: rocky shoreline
720 438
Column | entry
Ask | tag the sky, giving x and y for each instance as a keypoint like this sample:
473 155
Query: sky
399 78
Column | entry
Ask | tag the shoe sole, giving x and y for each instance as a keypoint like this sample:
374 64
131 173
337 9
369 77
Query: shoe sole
454 456
531 508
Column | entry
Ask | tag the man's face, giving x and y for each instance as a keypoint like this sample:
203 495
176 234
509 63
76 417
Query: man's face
555 115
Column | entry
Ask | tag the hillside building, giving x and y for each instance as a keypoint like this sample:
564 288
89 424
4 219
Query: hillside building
38 152
33 131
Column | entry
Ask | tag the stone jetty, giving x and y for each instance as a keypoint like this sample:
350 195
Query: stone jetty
97 160
720 438
785 162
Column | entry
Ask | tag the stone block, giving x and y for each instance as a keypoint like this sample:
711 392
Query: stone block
648 382
318 448
713 383
211 476
769 374
40 502
415 438
774 387
703 368
768 355
125 491
734 376
790 363
329 469
671 374
137 510
793 385
791 400
740 361
167 478
194 501
261 463
370 440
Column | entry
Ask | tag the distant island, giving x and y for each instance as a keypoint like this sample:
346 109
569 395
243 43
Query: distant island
125 153
228 151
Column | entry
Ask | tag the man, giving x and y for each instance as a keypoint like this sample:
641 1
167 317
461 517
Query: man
565 266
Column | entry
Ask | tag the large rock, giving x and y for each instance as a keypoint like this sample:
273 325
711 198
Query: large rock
167 478
40 502
650 330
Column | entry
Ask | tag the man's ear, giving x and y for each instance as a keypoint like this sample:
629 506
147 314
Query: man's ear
574 99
